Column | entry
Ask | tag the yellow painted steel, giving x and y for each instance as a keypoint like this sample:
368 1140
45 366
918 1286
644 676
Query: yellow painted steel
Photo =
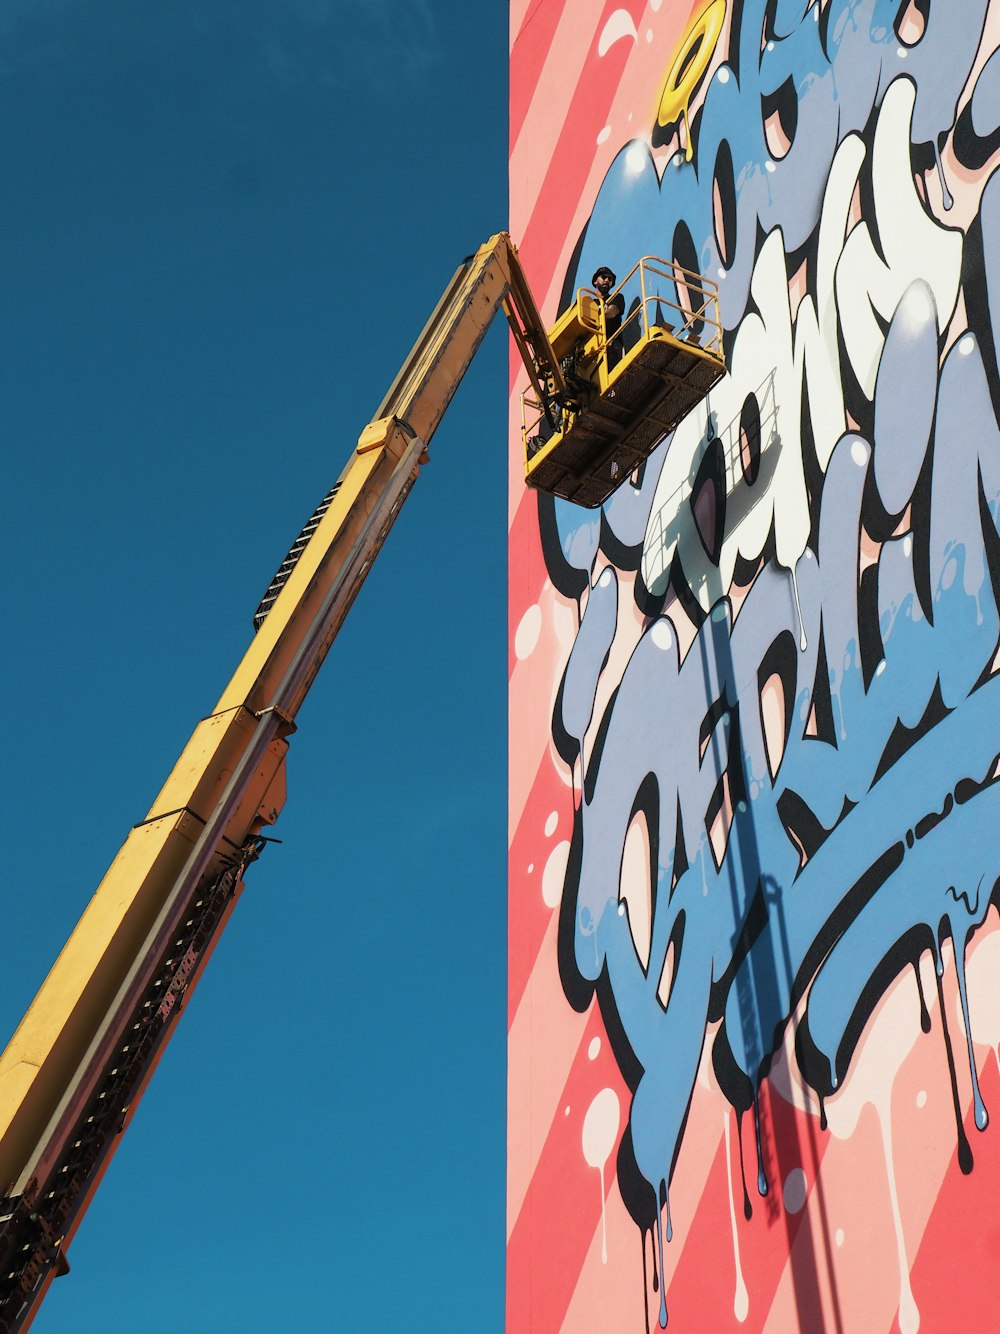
229 780
49 1043
627 390
64 1015
272 648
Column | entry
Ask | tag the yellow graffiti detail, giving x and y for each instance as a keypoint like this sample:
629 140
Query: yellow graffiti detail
687 69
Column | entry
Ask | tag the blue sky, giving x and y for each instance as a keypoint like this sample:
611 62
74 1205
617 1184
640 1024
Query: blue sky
224 223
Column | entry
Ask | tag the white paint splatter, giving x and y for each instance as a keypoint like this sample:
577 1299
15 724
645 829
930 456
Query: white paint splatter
741 1298
554 874
893 1034
600 1131
604 135
838 1237
803 641
922 1098
618 26
593 1051
550 823
661 635
527 632
909 1315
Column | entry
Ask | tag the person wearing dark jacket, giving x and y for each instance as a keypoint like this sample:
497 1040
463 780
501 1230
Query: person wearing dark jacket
603 281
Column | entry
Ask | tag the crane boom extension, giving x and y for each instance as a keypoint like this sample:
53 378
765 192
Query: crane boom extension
74 1070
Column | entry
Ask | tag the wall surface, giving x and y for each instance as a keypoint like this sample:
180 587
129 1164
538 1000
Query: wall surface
754 965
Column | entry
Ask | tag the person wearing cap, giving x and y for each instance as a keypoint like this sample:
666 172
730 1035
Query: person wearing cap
603 281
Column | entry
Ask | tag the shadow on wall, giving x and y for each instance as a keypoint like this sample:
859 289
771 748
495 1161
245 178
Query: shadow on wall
729 477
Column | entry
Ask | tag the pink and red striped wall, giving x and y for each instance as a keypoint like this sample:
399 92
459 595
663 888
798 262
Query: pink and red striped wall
754 957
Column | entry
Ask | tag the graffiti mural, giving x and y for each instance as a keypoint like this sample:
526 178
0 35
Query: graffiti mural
756 699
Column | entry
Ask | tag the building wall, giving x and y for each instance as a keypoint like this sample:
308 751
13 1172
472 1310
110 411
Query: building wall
754 985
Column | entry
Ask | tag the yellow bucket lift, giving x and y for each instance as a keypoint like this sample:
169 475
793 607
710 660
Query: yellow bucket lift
624 391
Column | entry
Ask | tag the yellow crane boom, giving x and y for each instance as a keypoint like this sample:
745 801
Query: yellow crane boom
73 1072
